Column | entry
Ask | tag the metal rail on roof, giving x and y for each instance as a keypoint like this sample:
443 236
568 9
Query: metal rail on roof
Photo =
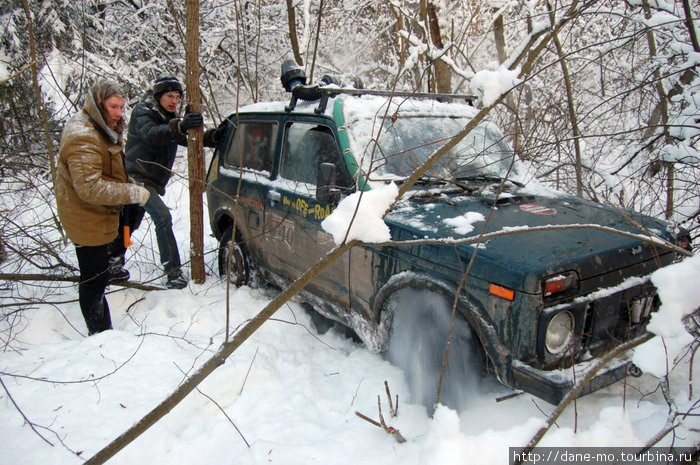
327 92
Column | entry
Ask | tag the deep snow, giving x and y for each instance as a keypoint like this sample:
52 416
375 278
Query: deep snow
291 392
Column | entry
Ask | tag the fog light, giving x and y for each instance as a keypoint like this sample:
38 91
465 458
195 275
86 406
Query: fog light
560 332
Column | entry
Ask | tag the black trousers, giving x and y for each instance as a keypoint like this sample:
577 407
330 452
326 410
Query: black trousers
93 263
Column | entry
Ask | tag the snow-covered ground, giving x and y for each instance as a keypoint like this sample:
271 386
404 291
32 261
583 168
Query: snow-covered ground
288 395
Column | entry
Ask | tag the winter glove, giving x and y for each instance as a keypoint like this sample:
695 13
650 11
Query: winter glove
190 121
212 136
139 195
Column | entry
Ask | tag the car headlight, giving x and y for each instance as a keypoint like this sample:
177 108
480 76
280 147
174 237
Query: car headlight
560 332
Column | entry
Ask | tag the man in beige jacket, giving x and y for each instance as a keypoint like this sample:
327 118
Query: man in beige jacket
91 188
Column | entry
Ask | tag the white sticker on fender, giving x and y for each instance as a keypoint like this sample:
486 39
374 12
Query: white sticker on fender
537 209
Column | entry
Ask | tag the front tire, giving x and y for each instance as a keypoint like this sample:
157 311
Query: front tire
419 329
240 270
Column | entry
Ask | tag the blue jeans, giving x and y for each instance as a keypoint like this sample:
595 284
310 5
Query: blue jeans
163 221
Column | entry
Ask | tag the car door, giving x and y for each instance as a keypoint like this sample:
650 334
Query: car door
244 175
294 210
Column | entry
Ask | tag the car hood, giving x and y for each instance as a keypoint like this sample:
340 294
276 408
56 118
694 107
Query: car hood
541 236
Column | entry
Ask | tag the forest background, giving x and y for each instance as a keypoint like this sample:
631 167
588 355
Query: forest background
607 110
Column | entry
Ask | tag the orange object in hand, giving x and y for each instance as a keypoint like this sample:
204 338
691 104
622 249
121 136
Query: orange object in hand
127 237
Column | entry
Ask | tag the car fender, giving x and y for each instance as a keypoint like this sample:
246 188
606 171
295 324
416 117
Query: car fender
472 310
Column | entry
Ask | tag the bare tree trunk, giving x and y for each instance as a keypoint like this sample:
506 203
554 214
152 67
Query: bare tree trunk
443 74
37 90
500 38
318 34
195 147
400 41
572 109
501 49
689 24
291 19
660 113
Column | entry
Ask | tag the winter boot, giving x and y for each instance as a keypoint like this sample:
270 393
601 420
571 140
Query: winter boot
117 273
176 280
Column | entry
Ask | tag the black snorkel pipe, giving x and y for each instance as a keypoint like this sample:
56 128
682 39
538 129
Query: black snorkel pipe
293 80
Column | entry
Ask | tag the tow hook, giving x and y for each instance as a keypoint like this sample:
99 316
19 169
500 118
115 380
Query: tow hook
634 371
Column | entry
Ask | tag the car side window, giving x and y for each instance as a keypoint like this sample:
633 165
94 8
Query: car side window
257 139
306 146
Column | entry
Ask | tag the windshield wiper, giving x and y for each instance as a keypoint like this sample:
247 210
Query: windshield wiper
489 178
481 177
426 180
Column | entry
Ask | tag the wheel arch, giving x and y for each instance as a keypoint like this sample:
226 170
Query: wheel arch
494 352
224 220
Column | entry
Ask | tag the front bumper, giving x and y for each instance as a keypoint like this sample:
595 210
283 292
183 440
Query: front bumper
552 385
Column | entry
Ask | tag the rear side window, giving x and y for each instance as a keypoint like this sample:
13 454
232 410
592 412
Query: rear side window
252 146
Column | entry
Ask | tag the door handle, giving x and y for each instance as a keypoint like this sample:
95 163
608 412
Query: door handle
274 196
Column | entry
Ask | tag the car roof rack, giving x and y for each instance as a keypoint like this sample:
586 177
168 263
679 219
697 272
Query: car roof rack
327 92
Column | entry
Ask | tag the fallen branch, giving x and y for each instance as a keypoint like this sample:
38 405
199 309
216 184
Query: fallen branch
509 396
393 432
35 426
73 279
368 419
230 420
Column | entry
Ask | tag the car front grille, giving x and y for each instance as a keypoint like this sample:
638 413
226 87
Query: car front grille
604 319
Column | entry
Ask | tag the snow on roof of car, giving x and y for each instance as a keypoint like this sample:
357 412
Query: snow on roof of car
369 105
302 106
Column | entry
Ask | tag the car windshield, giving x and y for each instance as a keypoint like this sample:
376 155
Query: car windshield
408 141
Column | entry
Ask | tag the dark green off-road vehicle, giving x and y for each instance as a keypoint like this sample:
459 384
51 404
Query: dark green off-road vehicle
544 283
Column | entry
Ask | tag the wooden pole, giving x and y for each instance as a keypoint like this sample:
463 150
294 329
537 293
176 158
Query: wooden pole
195 144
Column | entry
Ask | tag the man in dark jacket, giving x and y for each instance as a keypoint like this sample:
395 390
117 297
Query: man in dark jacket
155 131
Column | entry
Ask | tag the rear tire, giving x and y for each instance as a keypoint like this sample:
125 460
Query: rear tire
240 271
418 336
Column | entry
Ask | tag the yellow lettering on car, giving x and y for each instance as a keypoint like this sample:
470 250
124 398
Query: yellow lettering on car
301 206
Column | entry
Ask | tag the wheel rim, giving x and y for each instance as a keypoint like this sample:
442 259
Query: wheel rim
418 337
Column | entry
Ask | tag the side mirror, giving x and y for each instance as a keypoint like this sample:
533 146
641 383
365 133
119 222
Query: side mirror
325 184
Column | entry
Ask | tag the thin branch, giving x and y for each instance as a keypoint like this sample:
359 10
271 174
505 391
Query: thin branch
250 366
576 389
29 422
393 432
226 415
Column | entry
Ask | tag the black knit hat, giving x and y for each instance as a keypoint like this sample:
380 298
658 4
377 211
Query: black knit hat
166 84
